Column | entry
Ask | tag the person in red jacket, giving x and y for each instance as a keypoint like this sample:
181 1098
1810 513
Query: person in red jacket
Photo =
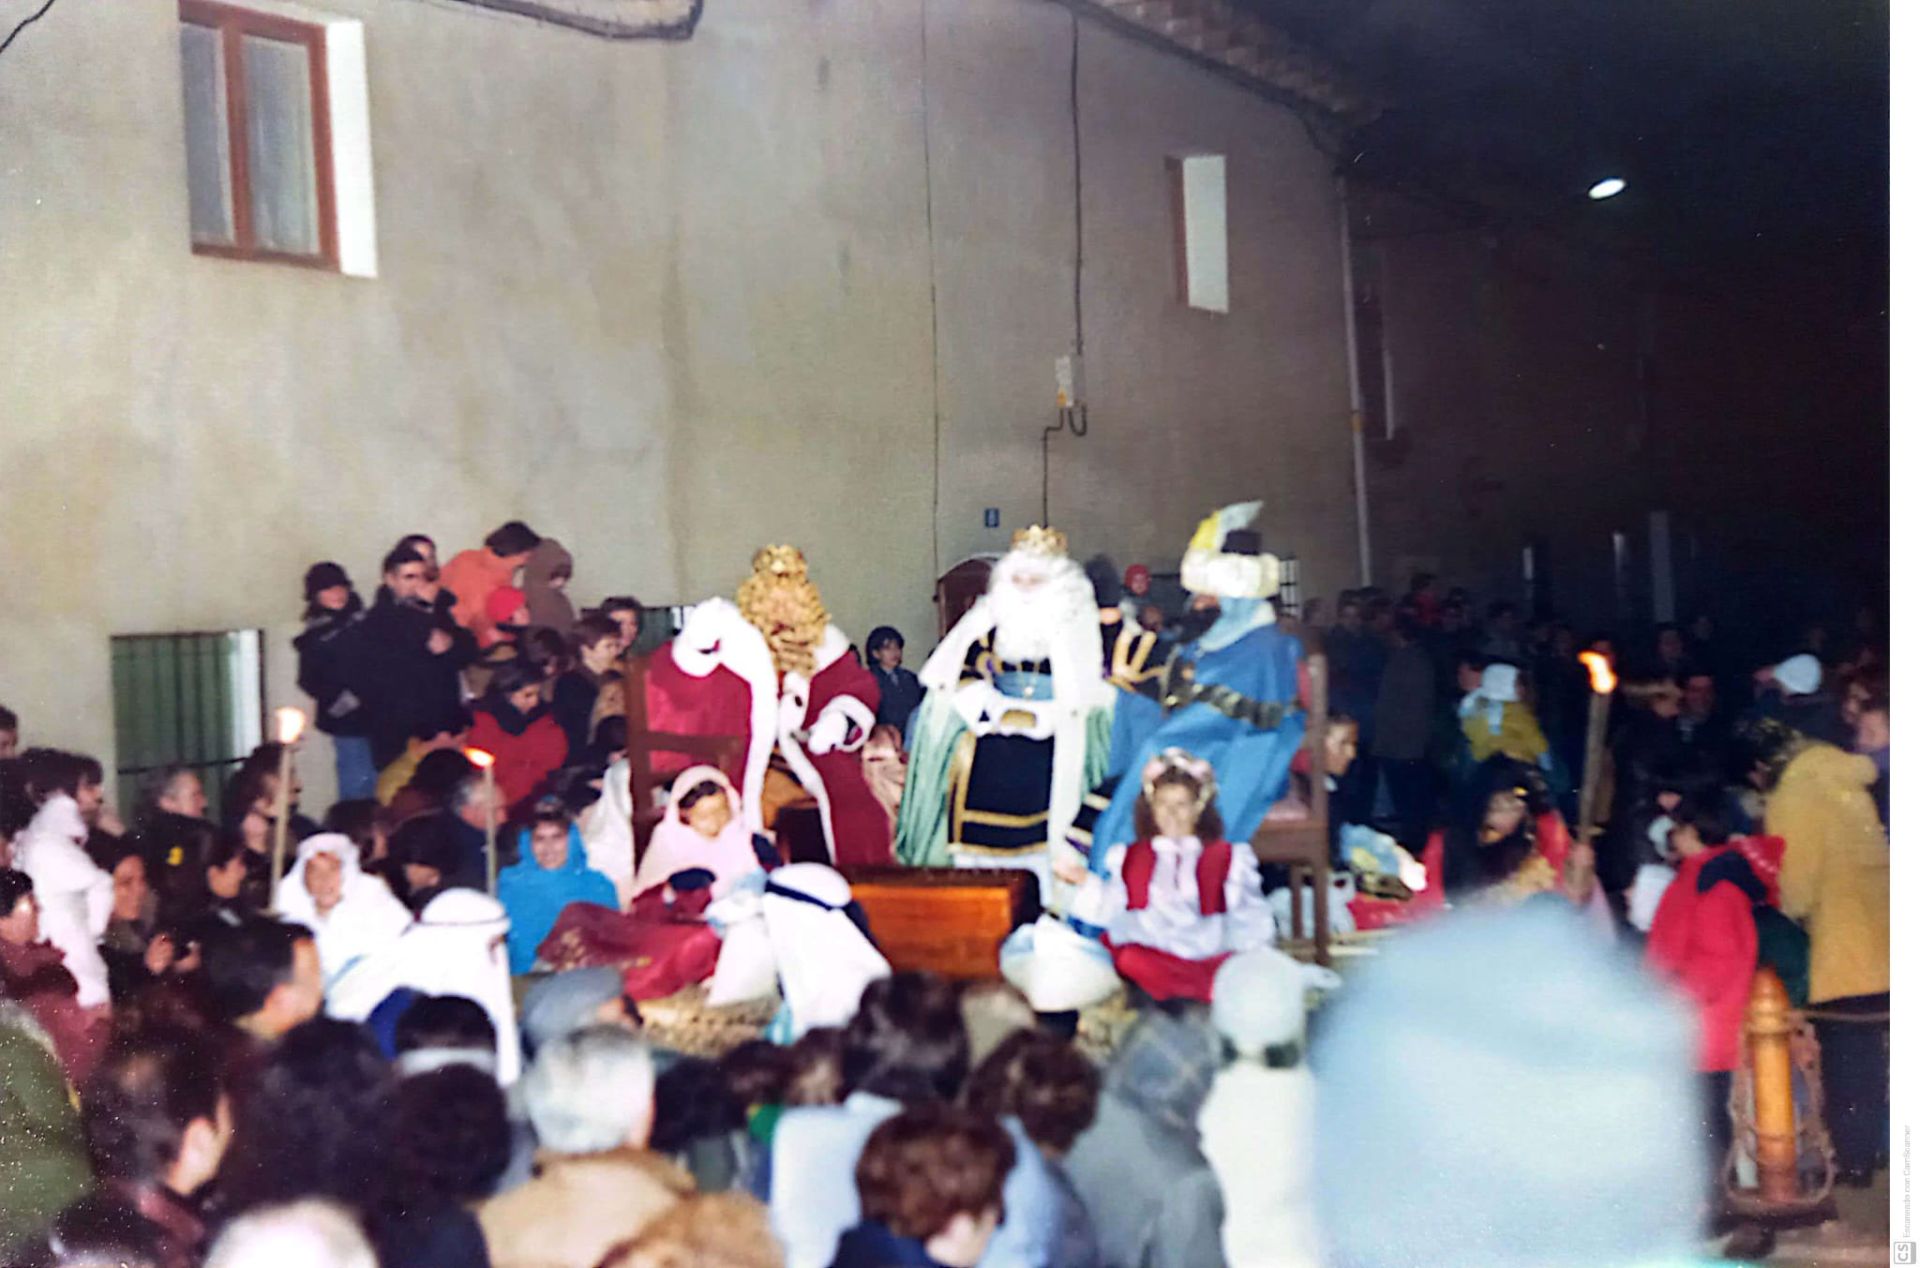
515 725
1704 940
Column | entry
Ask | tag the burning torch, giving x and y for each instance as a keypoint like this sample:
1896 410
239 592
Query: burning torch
484 760
288 724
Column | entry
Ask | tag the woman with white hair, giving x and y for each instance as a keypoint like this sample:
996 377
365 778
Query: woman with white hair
590 1095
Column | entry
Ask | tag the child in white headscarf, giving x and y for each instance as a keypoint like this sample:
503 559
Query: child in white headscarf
354 916
704 828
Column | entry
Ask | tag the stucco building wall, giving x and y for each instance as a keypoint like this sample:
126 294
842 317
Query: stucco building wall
666 302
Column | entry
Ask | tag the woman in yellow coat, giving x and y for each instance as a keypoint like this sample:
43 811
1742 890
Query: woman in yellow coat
1834 881
1494 718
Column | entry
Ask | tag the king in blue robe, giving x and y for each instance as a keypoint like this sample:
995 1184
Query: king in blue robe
1231 696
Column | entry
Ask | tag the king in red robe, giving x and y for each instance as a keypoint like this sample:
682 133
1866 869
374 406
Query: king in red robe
774 670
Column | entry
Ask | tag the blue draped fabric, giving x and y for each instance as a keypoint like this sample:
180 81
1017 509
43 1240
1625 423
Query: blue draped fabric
533 896
1250 764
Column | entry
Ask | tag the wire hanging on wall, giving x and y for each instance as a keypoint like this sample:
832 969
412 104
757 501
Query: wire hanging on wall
25 22
1071 416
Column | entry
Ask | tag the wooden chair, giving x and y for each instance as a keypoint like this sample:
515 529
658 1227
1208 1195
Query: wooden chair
642 743
958 587
1303 844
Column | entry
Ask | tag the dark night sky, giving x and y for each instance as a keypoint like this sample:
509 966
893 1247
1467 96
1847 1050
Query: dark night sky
1754 136
1753 132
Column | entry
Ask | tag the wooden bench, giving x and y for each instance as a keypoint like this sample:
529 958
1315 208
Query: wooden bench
944 920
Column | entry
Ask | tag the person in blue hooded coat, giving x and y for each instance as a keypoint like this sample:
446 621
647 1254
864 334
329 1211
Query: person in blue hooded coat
552 873
1231 696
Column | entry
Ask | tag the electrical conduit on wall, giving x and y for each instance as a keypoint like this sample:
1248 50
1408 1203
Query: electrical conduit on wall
607 19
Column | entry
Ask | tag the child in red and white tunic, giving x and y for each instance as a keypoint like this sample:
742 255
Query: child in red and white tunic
1180 899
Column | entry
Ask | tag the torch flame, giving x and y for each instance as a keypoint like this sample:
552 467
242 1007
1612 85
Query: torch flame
288 723
479 757
1599 672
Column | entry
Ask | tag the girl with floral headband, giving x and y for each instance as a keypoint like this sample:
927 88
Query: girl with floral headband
1180 899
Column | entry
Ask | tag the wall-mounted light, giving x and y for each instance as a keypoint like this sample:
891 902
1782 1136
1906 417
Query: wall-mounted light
1606 188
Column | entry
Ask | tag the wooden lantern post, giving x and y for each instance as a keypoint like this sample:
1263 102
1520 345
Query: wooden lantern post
484 760
288 723
1769 1040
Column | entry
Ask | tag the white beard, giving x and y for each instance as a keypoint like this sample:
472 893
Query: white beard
1030 623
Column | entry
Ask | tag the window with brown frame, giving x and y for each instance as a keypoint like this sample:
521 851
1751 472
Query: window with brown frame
259 161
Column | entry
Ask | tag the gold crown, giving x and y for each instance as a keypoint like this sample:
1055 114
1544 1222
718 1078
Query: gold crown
780 561
1038 539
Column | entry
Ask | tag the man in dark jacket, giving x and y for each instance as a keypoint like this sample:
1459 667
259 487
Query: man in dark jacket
407 659
326 651
1403 731
1356 663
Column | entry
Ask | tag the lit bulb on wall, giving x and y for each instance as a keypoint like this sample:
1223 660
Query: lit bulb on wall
1606 188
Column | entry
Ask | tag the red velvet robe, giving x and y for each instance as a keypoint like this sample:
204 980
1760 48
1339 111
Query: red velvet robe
857 825
663 947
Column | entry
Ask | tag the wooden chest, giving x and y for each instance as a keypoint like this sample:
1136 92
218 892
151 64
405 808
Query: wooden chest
949 921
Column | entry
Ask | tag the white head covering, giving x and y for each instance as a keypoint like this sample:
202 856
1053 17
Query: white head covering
1260 999
1499 687
367 921
1207 568
457 948
675 846
1798 675
825 962
606 831
1500 682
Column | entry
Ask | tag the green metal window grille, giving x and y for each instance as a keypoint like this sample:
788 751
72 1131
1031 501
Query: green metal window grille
193 700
